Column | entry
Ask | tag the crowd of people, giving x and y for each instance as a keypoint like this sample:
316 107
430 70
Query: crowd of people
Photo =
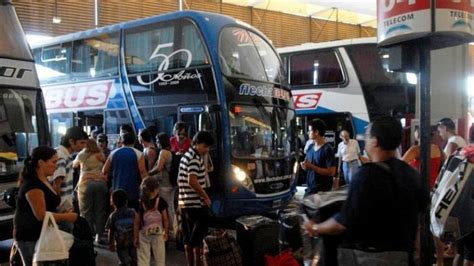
380 216
379 219
125 194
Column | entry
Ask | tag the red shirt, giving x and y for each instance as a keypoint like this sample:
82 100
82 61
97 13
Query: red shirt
176 147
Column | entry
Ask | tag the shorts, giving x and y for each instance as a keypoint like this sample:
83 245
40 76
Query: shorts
195 225
466 247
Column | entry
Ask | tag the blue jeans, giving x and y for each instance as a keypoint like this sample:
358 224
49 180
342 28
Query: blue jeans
349 169
27 249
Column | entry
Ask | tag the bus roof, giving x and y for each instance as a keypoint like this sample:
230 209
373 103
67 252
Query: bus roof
322 45
218 20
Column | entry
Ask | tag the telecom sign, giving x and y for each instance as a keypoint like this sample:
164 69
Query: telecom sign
402 20
454 16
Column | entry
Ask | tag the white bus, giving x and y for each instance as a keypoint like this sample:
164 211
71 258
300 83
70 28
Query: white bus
347 84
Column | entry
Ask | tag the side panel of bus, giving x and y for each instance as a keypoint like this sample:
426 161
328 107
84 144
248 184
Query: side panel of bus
338 101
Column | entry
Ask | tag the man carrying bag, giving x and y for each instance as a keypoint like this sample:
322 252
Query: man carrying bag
380 216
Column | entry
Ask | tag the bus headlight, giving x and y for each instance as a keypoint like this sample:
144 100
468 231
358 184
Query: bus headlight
243 178
239 174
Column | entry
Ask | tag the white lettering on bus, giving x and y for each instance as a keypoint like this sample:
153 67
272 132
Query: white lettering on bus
77 96
163 77
251 90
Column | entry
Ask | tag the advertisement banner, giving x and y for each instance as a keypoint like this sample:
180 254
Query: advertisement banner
402 20
77 97
454 16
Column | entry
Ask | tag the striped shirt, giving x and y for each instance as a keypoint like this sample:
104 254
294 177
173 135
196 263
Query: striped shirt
191 164
64 170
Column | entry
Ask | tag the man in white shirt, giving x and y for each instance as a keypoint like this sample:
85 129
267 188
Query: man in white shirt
348 152
447 131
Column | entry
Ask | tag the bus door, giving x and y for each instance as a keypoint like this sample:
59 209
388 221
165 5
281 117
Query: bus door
335 123
206 118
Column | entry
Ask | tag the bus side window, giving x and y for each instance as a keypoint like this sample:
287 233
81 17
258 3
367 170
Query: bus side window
316 68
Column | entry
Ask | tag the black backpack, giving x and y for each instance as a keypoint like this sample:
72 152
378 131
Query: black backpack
82 251
174 169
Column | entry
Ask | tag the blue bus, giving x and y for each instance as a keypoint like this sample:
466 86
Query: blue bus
348 83
210 71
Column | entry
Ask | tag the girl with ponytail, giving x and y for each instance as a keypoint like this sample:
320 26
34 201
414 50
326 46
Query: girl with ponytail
35 197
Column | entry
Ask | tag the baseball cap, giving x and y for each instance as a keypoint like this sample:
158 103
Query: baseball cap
447 122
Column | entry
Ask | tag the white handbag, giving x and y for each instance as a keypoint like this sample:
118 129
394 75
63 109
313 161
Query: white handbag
53 243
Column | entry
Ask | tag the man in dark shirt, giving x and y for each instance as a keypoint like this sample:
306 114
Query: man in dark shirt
385 198
319 161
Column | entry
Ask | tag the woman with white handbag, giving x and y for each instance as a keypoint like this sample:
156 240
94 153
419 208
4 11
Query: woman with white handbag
35 197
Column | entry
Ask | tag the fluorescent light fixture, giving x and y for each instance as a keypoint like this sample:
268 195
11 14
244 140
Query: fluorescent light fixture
56 18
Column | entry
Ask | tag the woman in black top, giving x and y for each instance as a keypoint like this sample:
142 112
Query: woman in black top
36 196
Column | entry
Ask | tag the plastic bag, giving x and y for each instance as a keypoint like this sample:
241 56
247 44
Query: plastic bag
53 243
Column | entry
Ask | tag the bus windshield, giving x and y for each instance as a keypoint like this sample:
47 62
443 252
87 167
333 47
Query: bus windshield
260 131
239 53
17 128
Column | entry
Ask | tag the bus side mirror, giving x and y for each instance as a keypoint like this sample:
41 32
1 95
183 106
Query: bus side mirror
205 123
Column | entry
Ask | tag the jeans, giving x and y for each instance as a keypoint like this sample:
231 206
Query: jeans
27 250
156 244
167 193
349 169
127 256
93 201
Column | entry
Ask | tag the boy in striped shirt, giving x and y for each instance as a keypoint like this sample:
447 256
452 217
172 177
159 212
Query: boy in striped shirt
193 199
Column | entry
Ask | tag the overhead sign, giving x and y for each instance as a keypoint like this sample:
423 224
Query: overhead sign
454 16
77 97
402 20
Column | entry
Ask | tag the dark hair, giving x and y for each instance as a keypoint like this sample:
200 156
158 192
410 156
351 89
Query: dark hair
164 140
75 133
319 125
153 131
102 136
128 138
119 198
203 137
126 127
43 153
388 132
179 126
148 185
146 135
448 123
